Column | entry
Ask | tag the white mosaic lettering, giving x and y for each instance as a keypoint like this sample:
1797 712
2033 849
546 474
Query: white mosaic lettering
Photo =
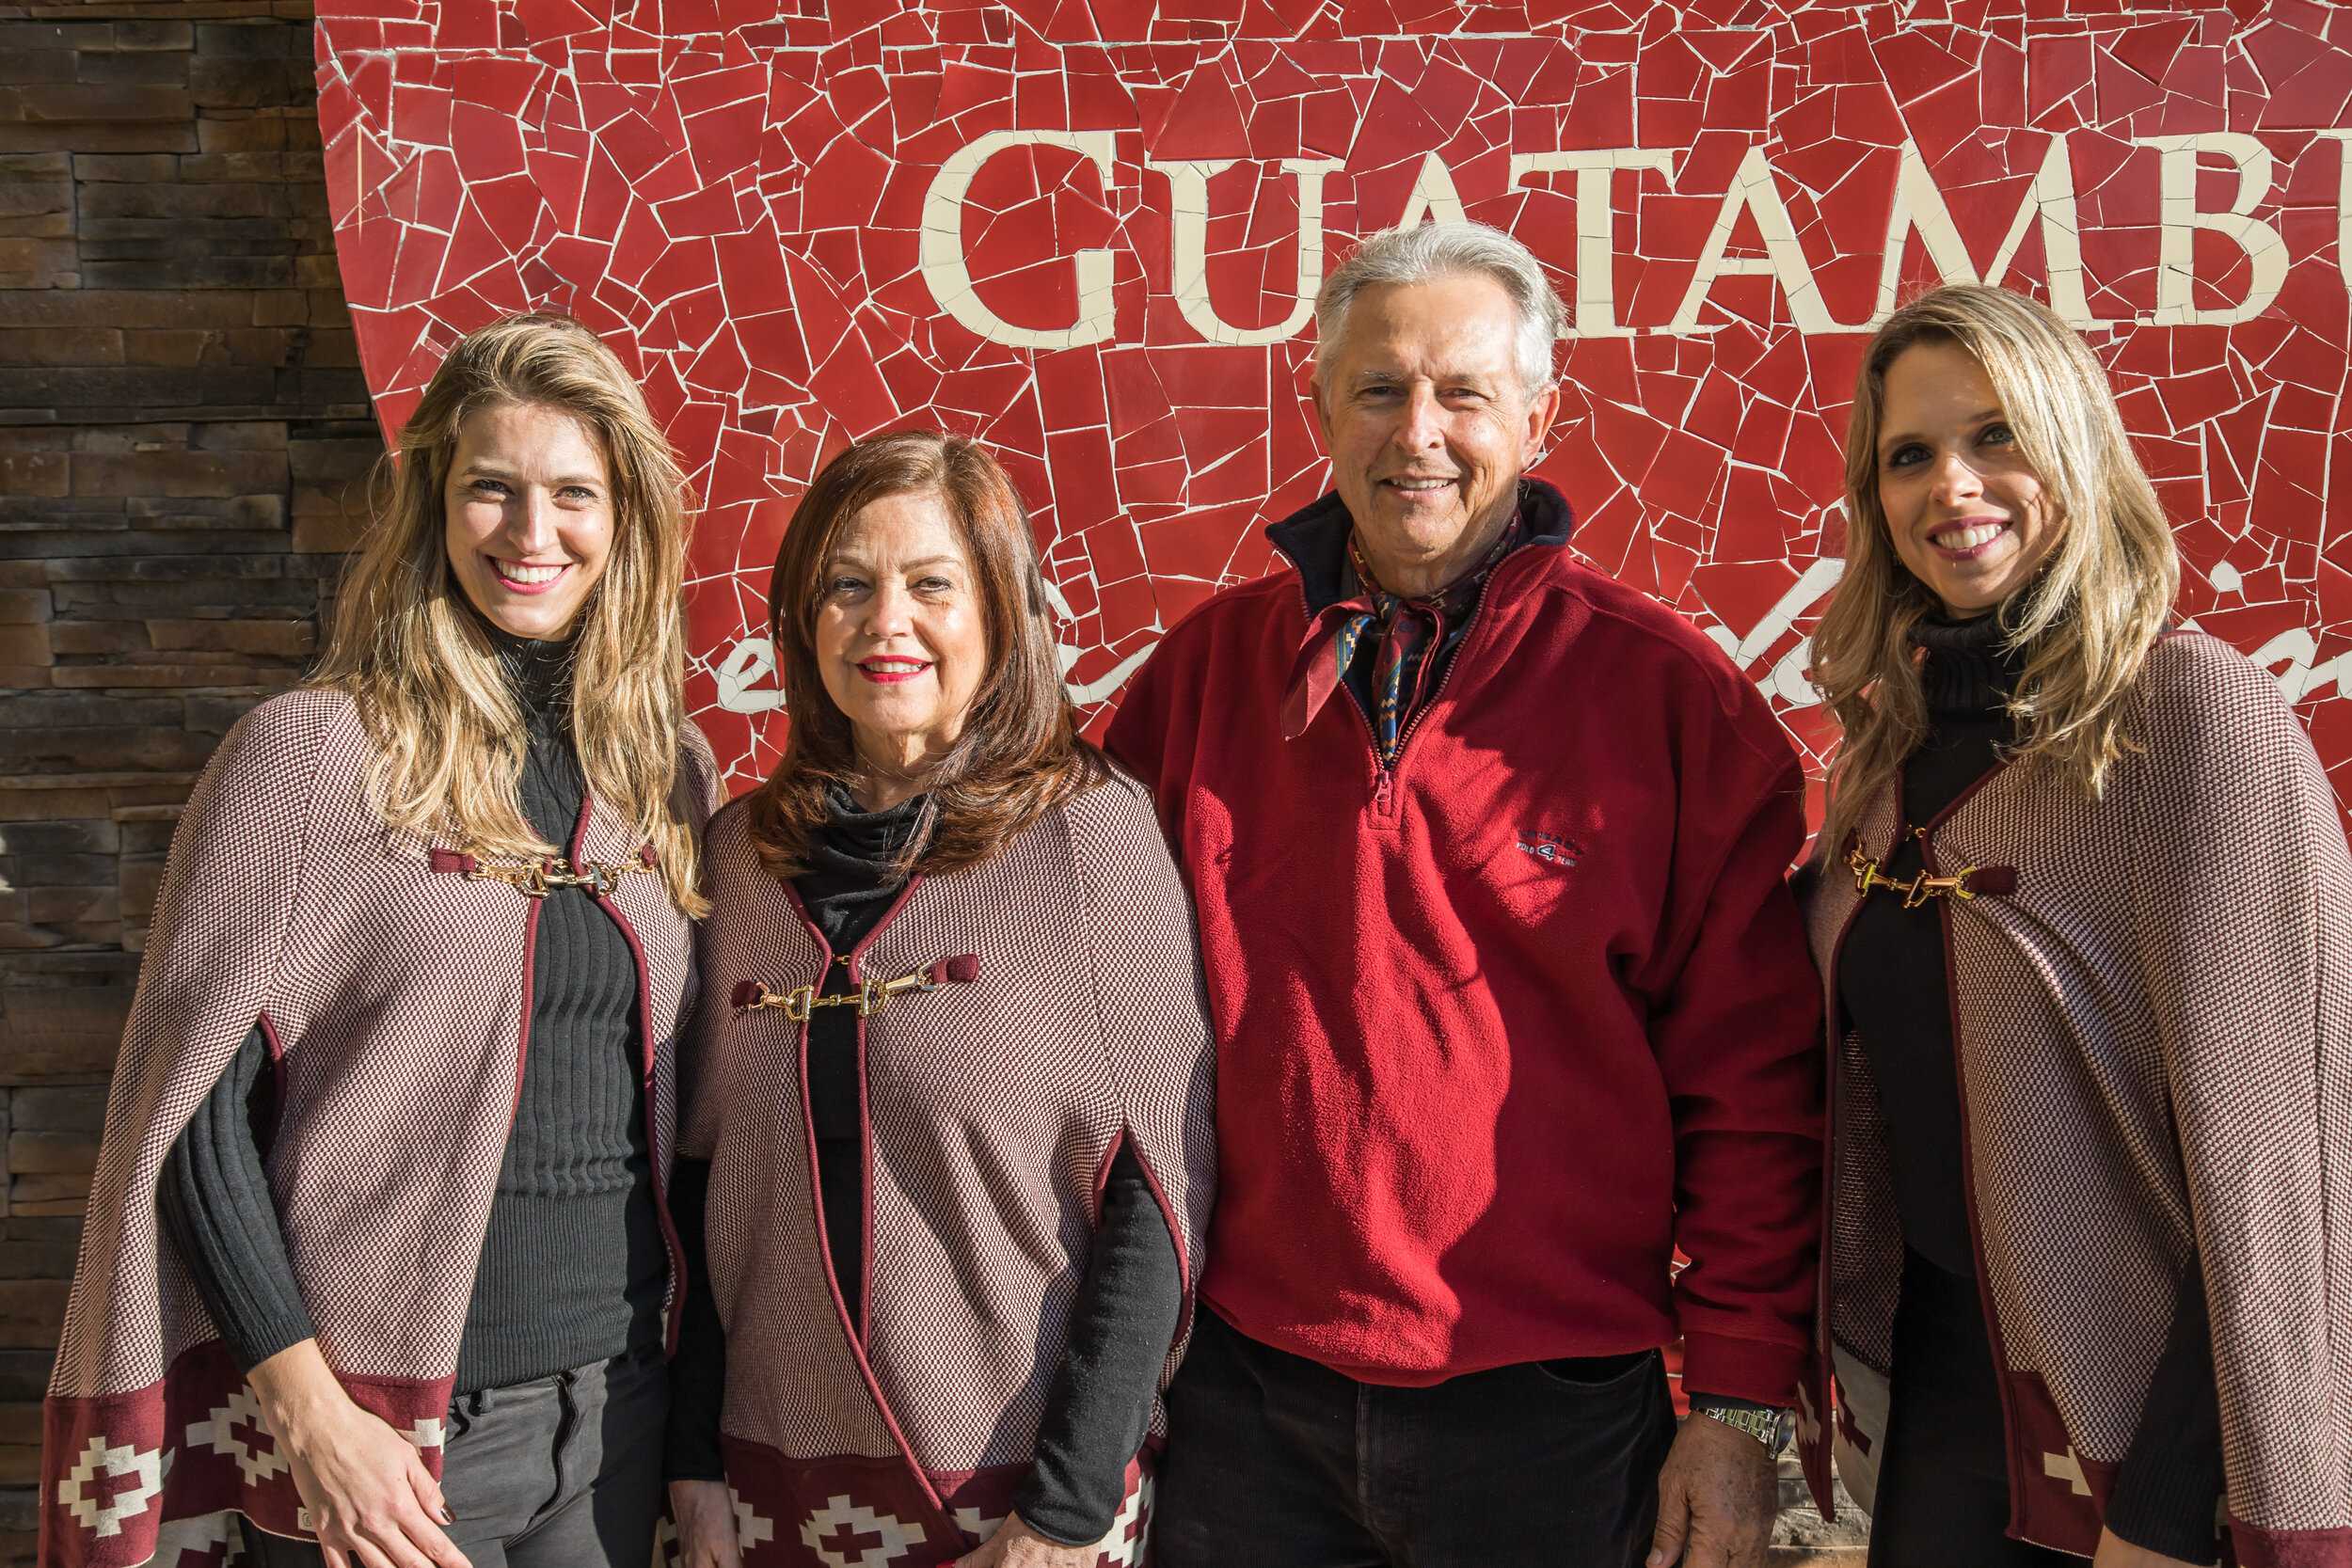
1754 191
1593 311
1434 195
2265 252
950 278
1189 189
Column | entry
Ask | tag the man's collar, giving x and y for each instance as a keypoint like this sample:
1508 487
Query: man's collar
1314 539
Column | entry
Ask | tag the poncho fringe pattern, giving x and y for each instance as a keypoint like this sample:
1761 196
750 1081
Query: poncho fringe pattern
2152 1001
395 991
894 1431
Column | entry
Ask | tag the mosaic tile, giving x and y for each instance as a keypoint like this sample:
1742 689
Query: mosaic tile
1087 231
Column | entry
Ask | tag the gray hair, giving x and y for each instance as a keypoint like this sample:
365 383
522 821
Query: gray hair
1435 251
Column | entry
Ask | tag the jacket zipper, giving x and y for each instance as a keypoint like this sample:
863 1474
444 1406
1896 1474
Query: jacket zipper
1384 773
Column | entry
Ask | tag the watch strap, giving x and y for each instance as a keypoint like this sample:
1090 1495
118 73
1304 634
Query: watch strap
1762 1422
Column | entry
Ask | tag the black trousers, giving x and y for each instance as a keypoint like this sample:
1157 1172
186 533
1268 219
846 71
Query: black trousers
1943 1498
1278 1462
559 1472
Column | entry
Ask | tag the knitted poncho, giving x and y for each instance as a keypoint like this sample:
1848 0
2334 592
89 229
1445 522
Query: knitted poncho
2151 1002
1051 1012
394 987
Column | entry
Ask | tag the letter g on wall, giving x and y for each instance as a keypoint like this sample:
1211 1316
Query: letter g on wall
950 278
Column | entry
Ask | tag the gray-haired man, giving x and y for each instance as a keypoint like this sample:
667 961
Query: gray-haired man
1511 999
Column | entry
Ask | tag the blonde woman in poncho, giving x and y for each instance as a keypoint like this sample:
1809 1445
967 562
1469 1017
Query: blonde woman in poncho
376 1257
2084 913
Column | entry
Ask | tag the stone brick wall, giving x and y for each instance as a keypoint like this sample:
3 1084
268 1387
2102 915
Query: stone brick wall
181 425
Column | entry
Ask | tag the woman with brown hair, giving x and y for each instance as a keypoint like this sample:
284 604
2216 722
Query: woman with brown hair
397 1089
949 1072
2084 911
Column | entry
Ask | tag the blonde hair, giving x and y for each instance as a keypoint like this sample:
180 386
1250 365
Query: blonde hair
2084 623
418 661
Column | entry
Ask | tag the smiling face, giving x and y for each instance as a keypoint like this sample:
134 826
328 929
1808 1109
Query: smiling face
1428 425
901 639
1967 512
528 502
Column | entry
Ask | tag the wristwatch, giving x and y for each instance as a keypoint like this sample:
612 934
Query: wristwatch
1772 1428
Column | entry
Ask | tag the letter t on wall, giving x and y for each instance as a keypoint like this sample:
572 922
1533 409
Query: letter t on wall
1594 313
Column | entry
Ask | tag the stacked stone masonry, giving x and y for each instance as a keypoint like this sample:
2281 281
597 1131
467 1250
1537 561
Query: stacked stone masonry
185 446
184 437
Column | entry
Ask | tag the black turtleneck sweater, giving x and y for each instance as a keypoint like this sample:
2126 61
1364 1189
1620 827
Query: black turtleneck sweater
1894 986
1890 972
572 1268
1100 1406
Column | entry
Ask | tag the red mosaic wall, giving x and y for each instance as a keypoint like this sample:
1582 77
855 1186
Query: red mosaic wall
1086 231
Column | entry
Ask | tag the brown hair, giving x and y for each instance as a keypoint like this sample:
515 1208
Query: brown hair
411 650
2087 619
1020 754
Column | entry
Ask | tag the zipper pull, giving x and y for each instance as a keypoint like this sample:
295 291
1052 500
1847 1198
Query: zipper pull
1382 795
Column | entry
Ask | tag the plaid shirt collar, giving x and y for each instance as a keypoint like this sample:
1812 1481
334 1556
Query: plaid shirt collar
1316 541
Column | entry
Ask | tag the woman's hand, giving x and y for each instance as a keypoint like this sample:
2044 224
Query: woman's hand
372 1502
2115 1552
1016 1546
706 1525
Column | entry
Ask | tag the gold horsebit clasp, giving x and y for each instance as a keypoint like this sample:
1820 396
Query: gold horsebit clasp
1923 887
870 997
536 878
1915 891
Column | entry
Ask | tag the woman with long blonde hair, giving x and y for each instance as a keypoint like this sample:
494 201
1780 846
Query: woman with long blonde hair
378 1270
2083 913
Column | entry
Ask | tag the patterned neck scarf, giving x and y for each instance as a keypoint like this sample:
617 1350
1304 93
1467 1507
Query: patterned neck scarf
1403 632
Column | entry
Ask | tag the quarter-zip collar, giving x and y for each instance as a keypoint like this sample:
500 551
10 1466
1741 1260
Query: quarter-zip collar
1315 541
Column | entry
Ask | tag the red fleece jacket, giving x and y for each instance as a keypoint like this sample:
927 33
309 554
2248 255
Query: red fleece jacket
1499 1031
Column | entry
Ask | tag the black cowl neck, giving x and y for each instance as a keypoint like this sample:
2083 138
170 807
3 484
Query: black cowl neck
1969 668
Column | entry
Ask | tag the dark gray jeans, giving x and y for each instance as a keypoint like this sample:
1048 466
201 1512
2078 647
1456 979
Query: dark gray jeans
1277 1462
561 1472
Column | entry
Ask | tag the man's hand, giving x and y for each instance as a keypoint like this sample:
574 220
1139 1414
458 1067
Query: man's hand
1016 1546
706 1525
2115 1552
373 1503
1717 1498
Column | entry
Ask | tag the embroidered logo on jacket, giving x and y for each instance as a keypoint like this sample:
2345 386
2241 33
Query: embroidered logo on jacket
1553 850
